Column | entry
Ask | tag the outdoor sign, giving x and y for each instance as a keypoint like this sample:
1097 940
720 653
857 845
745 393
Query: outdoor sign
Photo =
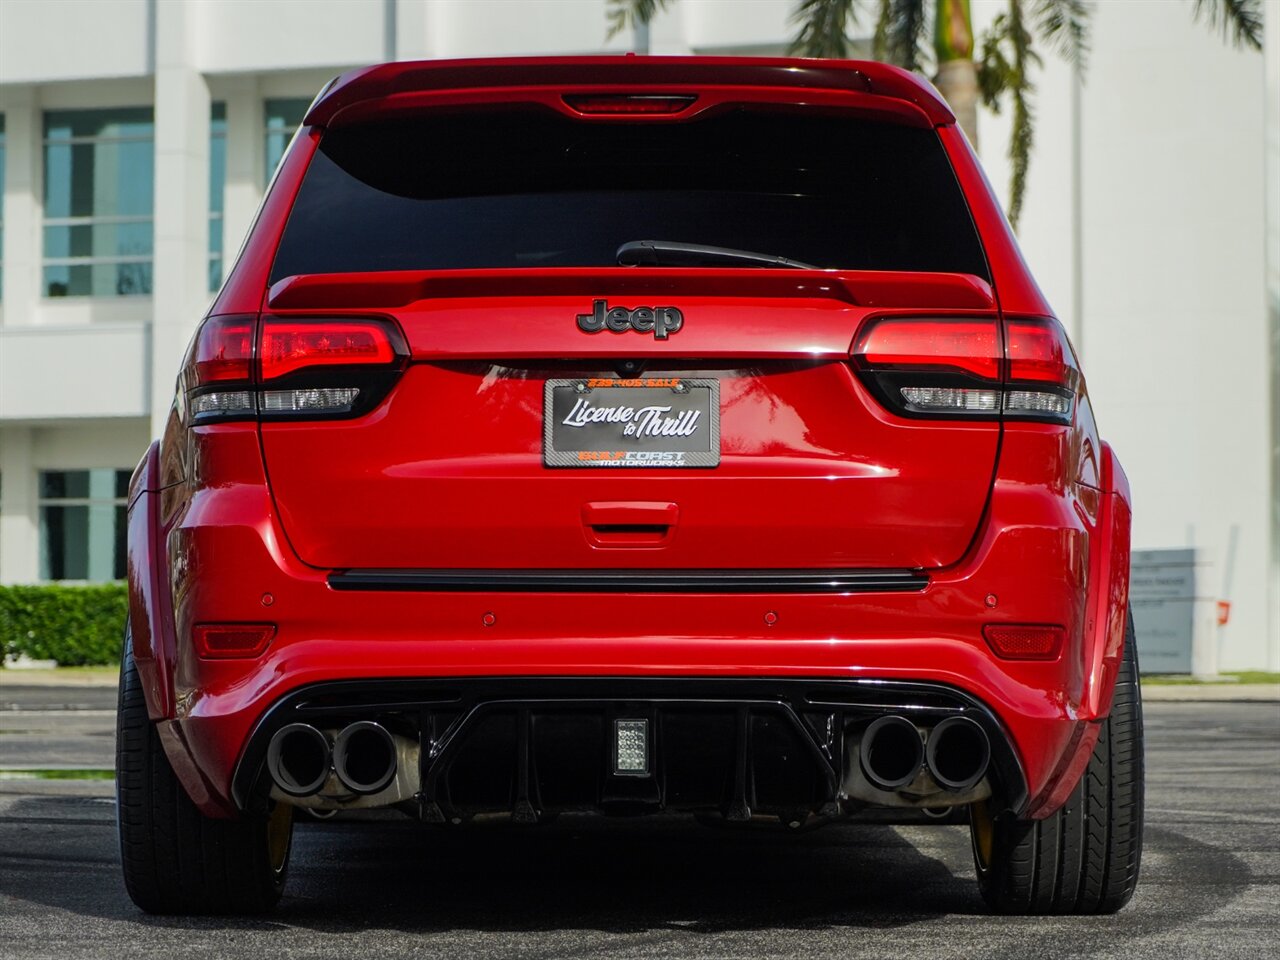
1162 589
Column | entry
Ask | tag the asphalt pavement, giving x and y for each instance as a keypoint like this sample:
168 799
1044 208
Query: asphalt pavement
588 887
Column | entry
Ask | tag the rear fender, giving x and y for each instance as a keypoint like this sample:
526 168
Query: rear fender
150 605
1108 590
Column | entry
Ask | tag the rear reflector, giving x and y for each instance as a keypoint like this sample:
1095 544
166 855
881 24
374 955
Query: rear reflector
288 346
221 641
1024 641
615 104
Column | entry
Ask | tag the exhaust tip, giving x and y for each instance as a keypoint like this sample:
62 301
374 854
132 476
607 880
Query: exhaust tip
364 757
298 759
891 752
958 753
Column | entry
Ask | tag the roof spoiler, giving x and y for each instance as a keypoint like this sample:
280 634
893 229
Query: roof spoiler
776 79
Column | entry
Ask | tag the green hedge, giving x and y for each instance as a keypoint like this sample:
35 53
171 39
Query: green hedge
75 625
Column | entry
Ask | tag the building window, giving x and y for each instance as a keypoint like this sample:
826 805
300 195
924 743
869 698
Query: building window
1 206
98 181
217 187
283 117
82 524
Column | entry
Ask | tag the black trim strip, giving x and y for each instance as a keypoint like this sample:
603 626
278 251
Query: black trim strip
632 581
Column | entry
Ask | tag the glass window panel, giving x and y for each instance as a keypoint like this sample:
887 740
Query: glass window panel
98 165
99 240
1 200
64 542
97 280
217 189
63 484
83 524
115 122
217 156
283 116
119 548
98 179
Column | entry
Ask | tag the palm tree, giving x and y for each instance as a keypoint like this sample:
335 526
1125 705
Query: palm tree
1005 60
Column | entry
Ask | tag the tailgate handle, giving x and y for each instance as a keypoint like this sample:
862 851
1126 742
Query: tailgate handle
629 523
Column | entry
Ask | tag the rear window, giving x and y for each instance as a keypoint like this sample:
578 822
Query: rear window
523 188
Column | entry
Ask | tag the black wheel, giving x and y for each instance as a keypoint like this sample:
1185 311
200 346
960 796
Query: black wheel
176 860
1085 857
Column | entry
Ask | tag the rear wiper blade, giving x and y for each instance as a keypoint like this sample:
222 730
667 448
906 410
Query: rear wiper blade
672 253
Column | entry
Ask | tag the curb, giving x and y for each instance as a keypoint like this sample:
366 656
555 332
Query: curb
14 679
1211 692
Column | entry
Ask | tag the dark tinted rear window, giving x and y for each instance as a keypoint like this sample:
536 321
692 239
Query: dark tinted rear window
535 189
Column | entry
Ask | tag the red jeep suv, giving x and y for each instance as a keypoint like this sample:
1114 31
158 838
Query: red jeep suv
626 435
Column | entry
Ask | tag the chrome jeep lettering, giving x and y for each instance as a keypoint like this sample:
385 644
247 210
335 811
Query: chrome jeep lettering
660 321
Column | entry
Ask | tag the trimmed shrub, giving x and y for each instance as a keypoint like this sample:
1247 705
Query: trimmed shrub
75 625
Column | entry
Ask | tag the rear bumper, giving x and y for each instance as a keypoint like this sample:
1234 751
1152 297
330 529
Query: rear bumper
1040 558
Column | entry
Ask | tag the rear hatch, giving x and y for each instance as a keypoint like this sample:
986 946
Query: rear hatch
552 409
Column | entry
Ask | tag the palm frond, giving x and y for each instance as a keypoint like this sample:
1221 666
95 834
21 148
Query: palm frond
1242 19
1007 59
995 72
880 39
903 23
624 14
824 27
1065 26
1022 137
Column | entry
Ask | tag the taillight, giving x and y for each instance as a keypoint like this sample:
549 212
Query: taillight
288 345
963 367
1042 374
291 368
219 370
223 351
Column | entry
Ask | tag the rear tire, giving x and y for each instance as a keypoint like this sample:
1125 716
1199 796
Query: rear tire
176 860
1085 857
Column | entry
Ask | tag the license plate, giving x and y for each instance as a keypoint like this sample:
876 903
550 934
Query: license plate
640 422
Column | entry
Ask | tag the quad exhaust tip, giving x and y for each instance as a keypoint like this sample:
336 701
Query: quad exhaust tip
891 752
298 759
958 753
364 757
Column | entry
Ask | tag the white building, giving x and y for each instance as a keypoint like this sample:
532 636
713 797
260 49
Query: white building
138 135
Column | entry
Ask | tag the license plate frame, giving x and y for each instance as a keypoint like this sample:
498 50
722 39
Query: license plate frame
606 444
